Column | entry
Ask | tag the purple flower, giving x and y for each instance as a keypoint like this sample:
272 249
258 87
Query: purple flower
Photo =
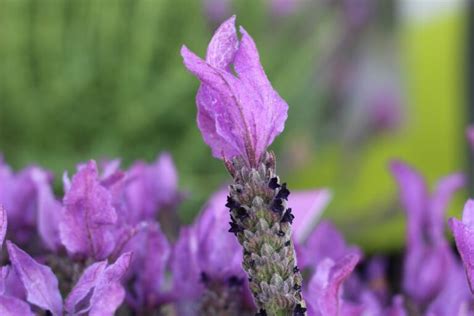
324 242
98 291
19 194
151 252
307 207
49 211
151 187
323 294
463 232
88 217
39 281
428 257
470 136
206 254
238 115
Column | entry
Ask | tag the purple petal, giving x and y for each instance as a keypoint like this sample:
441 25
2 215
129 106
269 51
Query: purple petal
307 207
185 266
84 286
109 293
39 281
98 291
414 197
324 242
12 306
323 291
49 211
220 254
151 252
87 223
223 46
464 238
3 225
166 188
271 111
439 203
470 135
236 116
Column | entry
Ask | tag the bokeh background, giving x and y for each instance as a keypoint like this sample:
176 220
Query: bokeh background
367 81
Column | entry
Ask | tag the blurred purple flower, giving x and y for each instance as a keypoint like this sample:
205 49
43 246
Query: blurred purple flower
325 242
237 115
19 195
470 136
217 10
428 258
206 252
151 252
463 232
307 207
88 218
151 187
323 293
49 211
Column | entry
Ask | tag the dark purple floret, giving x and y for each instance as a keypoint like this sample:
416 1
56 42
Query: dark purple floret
235 281
277 206
242 213
261 312
299 310
296 269
204 277
287 243
281 233
273 184
235 228
288 217
231 203
283 193
297 287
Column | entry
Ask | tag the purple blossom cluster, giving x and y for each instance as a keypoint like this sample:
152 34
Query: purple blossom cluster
112 243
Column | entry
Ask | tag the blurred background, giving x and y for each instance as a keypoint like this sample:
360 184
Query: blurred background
366 81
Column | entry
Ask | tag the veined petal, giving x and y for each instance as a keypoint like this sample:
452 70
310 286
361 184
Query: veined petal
237 115
88 217
40 283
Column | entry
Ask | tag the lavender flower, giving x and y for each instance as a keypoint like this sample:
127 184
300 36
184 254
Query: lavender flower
239 117
463 232
207 270
323 291
88 219
428 259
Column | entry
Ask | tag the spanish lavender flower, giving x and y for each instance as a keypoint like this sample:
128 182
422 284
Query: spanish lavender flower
207 271
429 261
19 195
88 218
239 116
323 295
151 188
324 242
151 252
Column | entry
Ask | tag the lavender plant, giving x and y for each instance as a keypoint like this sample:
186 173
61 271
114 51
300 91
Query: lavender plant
239 116
113 244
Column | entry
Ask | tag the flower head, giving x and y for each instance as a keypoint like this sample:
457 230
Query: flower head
428 259
238 114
